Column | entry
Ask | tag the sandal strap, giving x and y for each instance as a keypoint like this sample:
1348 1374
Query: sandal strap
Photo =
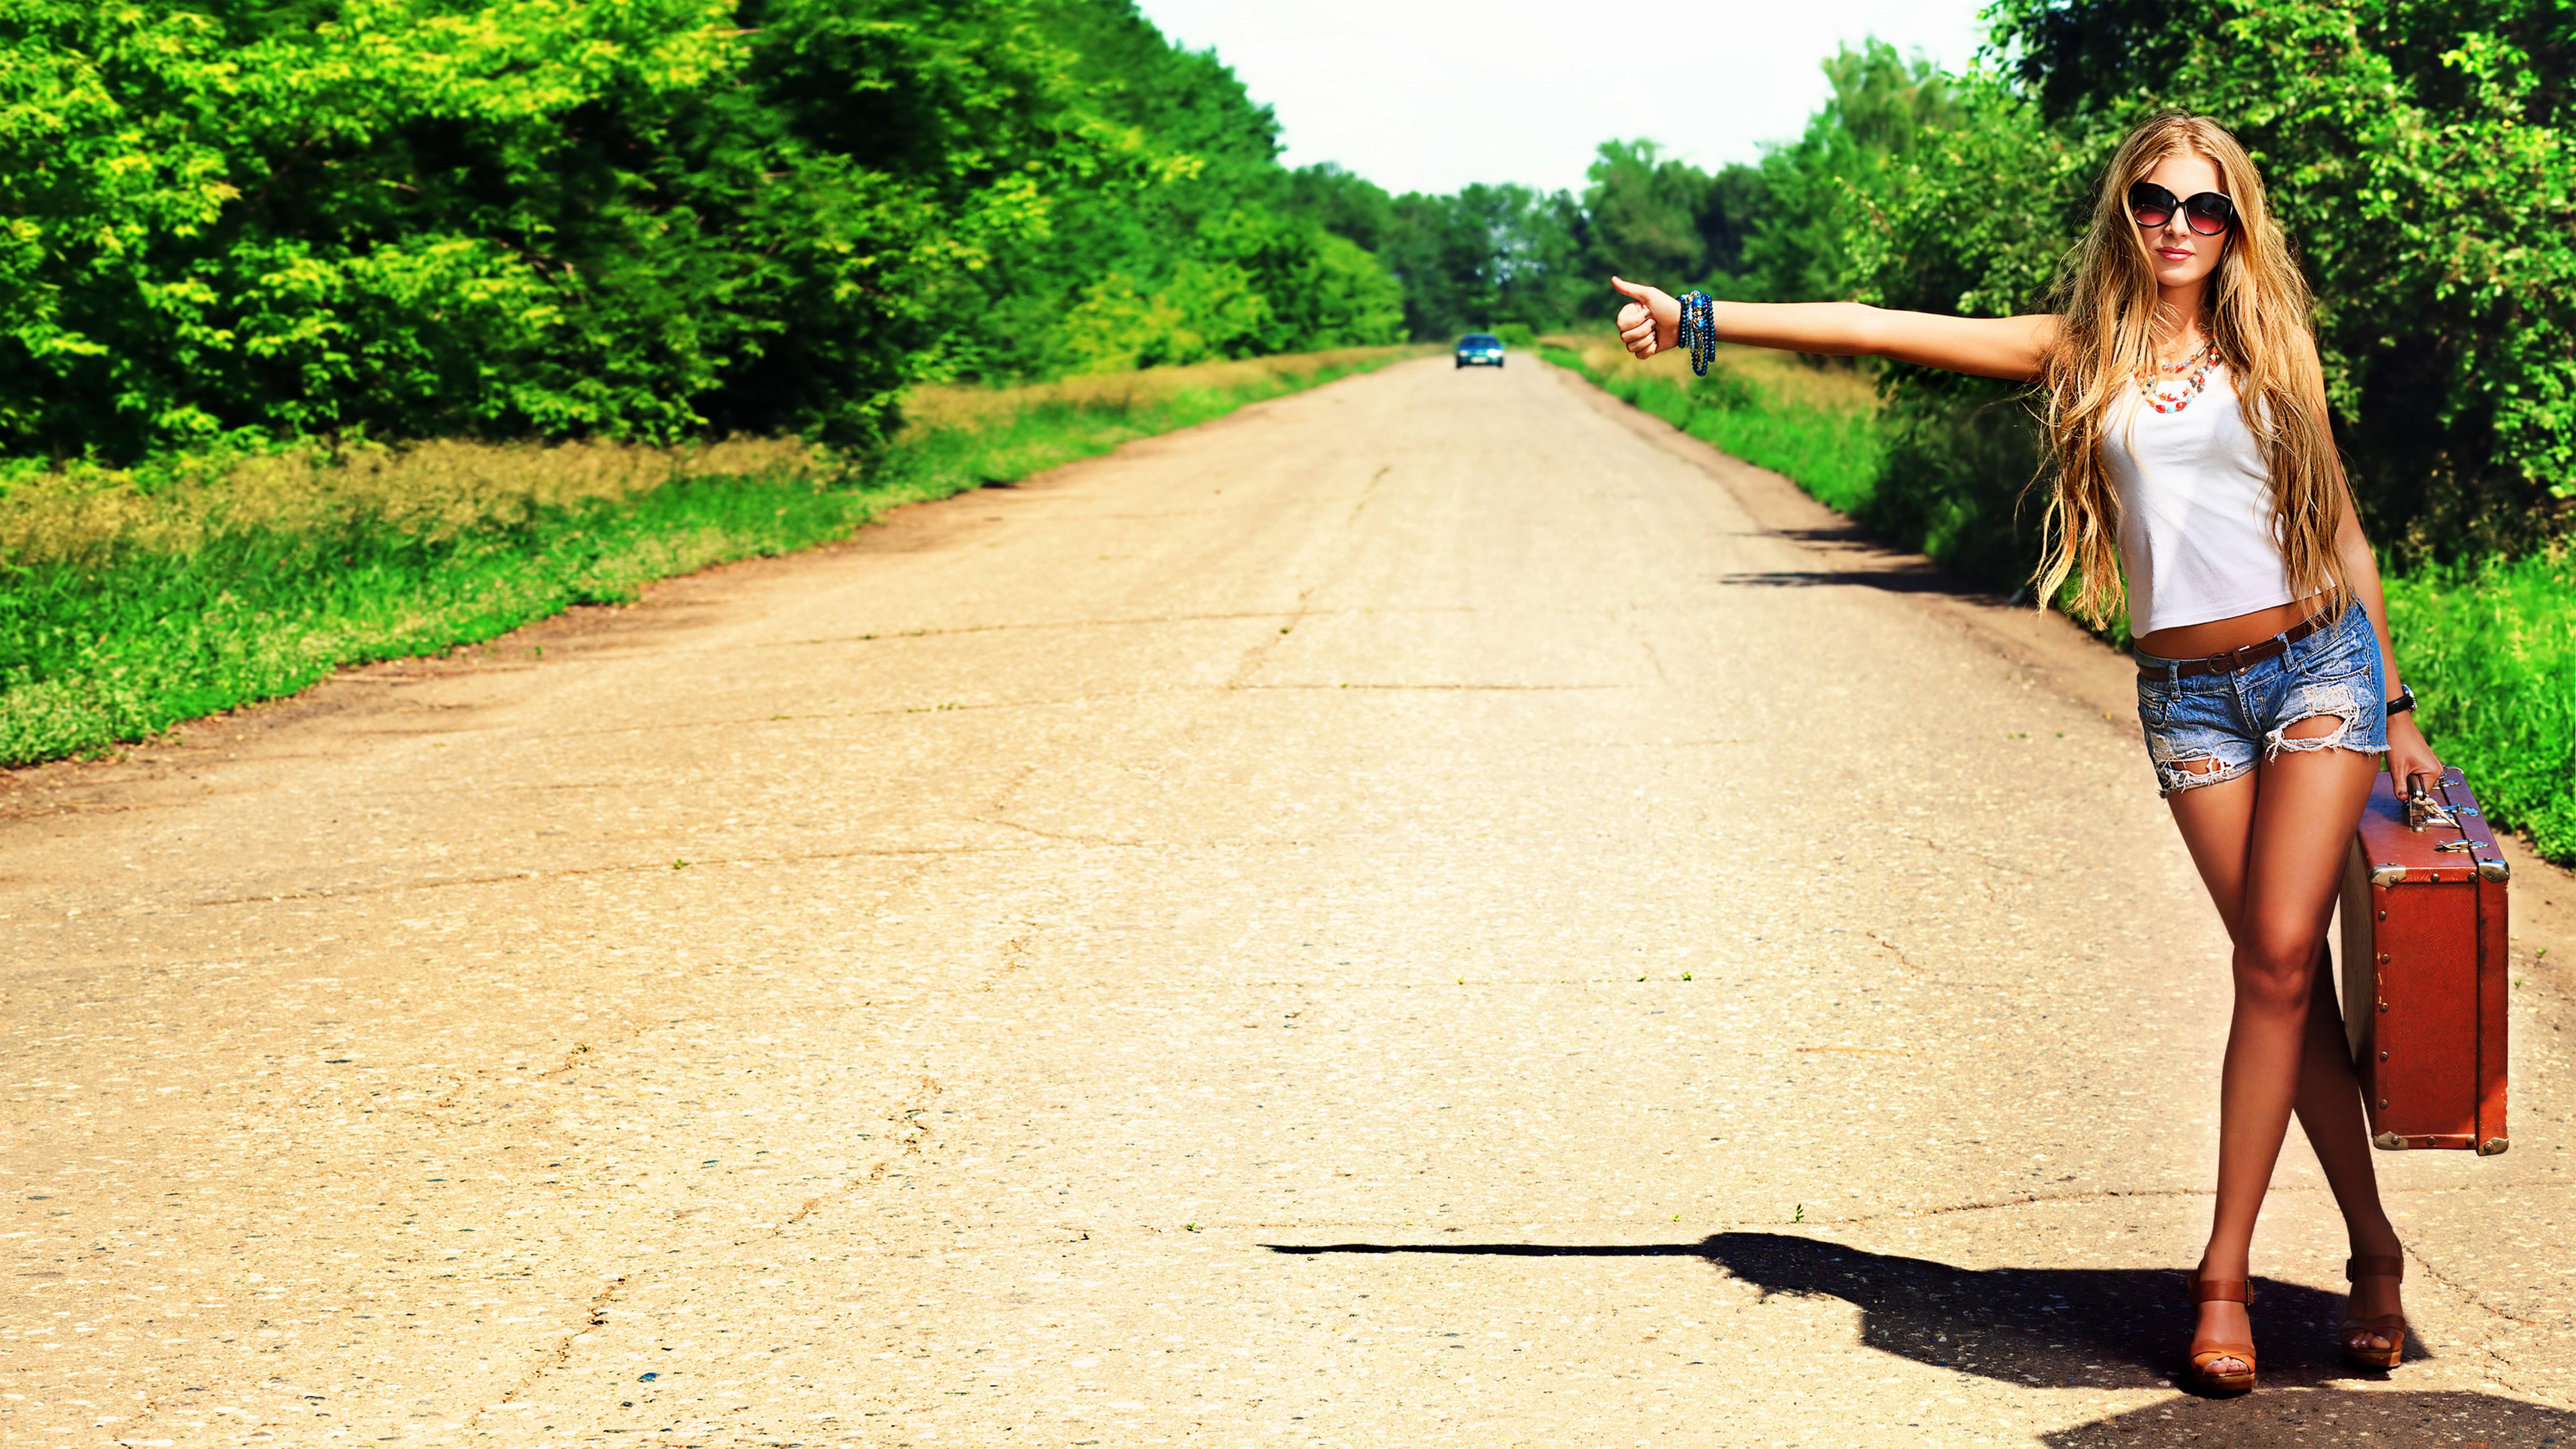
2204 1353
2220 1290
2375 1265
2379 1323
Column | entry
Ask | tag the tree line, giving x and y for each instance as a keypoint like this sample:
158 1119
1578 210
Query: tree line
242 219
236 221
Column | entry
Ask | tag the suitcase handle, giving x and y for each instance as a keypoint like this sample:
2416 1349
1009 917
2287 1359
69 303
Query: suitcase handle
2421 811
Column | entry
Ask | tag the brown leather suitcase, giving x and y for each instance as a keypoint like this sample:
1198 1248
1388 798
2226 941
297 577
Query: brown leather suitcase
2424 968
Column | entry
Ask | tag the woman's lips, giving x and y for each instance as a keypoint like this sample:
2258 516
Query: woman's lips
2174 254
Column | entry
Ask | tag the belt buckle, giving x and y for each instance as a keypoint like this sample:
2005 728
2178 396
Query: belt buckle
2244 656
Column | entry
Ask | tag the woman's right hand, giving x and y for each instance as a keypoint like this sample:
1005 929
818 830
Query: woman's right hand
1651 320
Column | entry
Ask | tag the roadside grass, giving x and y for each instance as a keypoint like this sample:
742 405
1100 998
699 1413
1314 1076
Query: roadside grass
2490 647
132 599
1816 425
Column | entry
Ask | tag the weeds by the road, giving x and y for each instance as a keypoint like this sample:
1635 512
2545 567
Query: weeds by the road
131 599
2490 647
2492 651
1817 425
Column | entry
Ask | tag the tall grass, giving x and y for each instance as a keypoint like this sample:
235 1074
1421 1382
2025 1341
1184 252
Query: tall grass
2491 649
134 599
1818 425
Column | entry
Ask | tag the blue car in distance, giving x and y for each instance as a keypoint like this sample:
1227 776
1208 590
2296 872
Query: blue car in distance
1480 349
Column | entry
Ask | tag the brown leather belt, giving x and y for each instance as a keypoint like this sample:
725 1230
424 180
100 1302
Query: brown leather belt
2236 659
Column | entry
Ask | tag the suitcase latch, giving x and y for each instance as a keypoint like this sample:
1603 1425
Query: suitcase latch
2423 810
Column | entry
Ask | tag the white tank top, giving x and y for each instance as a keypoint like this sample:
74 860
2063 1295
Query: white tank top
2195 511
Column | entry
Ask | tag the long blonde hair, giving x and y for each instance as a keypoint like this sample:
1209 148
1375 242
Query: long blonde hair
2258 308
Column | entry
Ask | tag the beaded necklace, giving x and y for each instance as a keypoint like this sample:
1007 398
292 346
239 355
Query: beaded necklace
2151 382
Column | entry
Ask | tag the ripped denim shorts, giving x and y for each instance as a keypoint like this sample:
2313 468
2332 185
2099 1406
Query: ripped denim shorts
2211 728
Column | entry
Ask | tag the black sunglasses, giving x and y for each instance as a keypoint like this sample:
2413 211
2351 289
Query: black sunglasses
2209 213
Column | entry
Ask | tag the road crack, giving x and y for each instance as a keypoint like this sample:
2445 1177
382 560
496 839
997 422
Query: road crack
1060 835
574 873
924 1090
561 1354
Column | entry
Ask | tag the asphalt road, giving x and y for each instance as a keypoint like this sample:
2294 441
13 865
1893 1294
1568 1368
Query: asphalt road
1426 912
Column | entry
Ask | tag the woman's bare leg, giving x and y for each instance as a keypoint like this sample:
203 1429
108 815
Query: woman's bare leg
2270 847
2330 1112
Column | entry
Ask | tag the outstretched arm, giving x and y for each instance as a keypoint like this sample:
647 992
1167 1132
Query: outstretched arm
2007 347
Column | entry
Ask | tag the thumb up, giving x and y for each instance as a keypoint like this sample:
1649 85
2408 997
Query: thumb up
1649 321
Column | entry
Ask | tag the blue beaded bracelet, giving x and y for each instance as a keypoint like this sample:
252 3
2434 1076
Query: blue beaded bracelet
1698 332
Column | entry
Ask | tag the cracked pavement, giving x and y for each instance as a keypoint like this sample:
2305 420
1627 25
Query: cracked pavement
1432 911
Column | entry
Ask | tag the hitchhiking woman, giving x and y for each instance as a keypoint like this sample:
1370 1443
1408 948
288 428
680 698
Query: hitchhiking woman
2185 415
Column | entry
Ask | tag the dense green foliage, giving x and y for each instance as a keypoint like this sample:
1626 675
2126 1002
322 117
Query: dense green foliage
2491 648
1217 258
245 219
426 218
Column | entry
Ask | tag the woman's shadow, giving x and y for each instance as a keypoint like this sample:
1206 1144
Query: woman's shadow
2098 1327
2125 1328
2114 1328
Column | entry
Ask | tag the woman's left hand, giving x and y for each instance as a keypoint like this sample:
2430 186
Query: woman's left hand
2409 757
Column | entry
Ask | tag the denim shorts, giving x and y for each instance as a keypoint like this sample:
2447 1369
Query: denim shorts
2236 719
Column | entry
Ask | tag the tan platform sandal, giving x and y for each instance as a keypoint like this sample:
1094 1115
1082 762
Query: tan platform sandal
2390 1326
2206 1351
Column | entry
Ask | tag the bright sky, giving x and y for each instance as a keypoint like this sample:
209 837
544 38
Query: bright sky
1428 95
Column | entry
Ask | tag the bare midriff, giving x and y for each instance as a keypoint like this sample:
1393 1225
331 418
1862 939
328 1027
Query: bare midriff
2218 636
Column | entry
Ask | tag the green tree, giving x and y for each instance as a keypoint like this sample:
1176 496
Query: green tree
512 217
1839 177
1206 237
1349 206
1738 197
1645 212
1489 255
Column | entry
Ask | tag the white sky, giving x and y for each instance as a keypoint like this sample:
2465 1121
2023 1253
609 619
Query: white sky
1428 95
